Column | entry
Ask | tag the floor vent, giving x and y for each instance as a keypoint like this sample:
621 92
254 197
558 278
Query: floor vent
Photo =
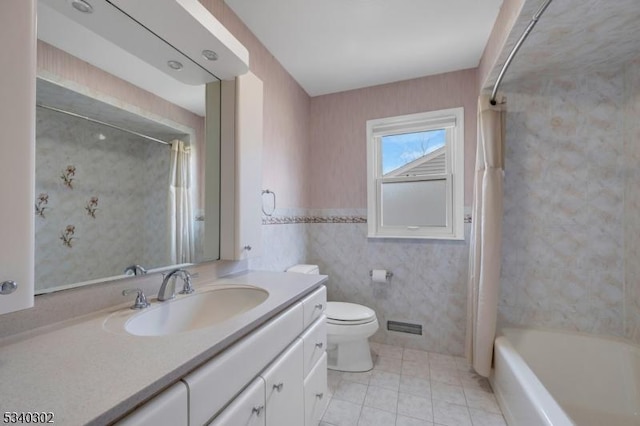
404 327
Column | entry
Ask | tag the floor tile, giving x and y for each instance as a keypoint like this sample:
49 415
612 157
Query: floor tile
445 413
389 351
415 406
483 400
408 387
342 413
445 375
333 380
351 392
410 421
392 365
374 417
416 369
448 393
443 359
484 418
415 386
462 363
384 379
415 355
471 380
382 399
358 377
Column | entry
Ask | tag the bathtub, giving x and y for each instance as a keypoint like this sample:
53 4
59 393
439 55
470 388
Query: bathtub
557 378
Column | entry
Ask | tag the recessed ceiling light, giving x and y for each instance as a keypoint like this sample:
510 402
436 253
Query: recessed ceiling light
210 55
101 136
175 65
82 6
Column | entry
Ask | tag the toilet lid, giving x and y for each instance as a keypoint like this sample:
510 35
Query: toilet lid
349 312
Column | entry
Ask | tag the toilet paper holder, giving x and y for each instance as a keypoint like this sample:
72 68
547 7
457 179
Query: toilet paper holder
389 274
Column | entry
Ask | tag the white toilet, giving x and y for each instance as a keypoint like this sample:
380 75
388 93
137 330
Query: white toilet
349 327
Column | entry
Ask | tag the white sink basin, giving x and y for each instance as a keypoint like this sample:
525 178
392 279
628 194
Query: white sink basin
188 313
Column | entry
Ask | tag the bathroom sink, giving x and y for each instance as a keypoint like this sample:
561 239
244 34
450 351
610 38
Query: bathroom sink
188 313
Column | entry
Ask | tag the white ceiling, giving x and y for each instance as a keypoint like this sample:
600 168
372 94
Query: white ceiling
331 46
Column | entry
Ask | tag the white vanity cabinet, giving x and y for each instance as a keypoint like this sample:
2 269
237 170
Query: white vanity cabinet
284 387
285 364
247 409
241 168
314 344
214 384
315 392
170 408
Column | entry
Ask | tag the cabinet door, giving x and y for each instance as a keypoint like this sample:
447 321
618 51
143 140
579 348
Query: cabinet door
17 161
167 409
284 387
315 393
241 174
315 343
314 305
248 409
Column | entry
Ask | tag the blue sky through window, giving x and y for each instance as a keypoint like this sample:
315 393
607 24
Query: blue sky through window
398 150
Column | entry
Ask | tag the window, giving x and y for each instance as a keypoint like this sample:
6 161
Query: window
415 166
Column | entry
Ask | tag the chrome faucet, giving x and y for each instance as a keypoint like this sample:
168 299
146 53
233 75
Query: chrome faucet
168 287
135 269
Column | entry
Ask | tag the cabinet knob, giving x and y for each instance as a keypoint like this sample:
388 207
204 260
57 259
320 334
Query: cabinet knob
247 248
320 395
319 345
8 287
319 306
257 410
279 387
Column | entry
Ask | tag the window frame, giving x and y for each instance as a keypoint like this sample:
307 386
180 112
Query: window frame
452 120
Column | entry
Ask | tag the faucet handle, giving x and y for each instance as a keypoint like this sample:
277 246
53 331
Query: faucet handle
141 300
187 288
135 270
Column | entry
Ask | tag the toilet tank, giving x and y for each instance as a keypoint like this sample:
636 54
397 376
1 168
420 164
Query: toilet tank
305 269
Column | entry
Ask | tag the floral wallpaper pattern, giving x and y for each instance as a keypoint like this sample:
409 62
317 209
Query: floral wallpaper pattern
92 207
41 204
107 208
67 176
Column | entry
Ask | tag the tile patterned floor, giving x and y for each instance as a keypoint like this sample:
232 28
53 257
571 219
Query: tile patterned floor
411 388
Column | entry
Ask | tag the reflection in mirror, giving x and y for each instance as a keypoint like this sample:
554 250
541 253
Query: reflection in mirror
120 172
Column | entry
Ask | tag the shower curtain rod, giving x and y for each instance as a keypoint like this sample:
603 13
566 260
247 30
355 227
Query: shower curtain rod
515 49
93 120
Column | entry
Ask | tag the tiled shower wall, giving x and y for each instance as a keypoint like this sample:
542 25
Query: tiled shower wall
128 175
571 190
632 199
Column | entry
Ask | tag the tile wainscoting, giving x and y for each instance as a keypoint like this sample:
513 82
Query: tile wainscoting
428 286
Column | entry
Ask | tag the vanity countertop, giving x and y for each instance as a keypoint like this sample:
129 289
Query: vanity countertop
86 374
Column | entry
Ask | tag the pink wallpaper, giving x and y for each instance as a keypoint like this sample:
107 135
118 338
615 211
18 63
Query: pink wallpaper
508 15
338 147
286 116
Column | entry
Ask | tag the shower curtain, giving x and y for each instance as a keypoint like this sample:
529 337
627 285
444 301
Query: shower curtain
486 238
181 246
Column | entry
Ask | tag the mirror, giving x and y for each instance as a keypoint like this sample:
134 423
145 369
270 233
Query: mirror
123 151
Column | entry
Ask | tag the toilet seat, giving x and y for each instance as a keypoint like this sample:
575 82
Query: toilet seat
342 313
